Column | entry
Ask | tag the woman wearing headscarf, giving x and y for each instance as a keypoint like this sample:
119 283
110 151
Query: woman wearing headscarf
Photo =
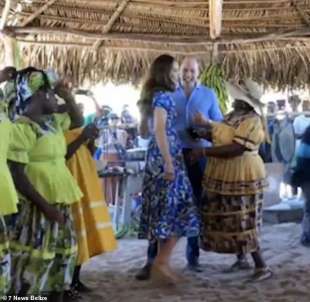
8 196
235 179
43 243
301 178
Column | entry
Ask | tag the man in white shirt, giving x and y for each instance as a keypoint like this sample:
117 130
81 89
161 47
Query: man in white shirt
302 121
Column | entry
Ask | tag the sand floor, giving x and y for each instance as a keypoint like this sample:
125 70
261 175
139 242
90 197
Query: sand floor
112 276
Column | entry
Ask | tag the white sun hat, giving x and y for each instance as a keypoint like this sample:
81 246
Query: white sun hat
249 92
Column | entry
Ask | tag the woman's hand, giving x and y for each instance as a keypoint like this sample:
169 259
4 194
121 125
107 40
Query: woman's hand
169 173
8 31
196 154
204 133
53 214
201 120
90 132
7 74
64 90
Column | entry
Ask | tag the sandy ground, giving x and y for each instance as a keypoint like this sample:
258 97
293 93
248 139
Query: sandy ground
112 276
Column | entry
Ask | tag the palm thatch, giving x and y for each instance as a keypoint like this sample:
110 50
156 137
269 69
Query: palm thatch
99 40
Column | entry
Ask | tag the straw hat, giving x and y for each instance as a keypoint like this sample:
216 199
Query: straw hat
249 92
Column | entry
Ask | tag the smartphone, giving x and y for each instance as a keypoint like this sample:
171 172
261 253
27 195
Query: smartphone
82 91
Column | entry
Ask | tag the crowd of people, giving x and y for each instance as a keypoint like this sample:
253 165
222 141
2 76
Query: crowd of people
204 178
116 135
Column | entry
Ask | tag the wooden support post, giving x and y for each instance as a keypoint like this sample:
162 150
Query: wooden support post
5 14
215 17
112 20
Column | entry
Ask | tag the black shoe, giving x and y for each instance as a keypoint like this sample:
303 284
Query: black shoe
196 268
70 295
81 288
144 273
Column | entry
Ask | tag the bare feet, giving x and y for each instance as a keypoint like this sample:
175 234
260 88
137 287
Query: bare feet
164 274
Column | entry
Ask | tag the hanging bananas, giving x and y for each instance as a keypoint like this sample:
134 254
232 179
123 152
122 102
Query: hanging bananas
213 78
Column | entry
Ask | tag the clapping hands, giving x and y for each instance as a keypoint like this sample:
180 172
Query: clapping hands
90 132
200 120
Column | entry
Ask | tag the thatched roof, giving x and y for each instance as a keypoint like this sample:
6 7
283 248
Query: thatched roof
101 39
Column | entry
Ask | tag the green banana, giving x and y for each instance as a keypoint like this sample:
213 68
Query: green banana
213 77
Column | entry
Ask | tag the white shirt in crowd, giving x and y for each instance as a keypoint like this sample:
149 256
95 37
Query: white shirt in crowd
301 123
110 137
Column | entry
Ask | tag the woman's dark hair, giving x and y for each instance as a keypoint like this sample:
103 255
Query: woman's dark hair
158 79
12 71
306 136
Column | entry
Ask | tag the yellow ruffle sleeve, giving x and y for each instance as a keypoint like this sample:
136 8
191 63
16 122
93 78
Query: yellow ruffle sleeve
8 195
43 154
23 140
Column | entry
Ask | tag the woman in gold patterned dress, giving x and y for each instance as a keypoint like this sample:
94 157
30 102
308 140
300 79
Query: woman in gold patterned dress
235 179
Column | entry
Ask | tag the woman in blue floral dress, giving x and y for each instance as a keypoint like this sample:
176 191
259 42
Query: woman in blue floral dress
168 210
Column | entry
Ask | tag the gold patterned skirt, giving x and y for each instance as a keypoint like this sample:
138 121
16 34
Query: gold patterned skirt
5 259
231 223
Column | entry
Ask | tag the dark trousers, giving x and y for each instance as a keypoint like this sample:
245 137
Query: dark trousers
195 174
305 238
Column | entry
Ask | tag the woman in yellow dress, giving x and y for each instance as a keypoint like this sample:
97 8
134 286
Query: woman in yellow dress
91 216
43 242
8 195
235 179
8 203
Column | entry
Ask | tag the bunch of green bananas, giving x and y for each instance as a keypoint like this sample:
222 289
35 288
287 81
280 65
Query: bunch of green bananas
213 77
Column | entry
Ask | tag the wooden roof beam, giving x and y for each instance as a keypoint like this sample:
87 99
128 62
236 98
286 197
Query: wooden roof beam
38 12
20 33
5 14
112 20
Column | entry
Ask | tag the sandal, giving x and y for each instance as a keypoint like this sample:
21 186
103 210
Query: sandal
239 265
71 295
81 287
261 274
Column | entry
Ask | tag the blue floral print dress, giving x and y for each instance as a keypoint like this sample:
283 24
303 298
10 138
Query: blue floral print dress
168 208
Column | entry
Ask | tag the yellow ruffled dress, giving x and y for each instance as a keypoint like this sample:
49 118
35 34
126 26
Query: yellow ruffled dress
233 188
43 251
8 203
91 217
241 175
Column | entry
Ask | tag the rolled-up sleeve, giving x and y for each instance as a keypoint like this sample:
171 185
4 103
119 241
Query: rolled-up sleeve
215 112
